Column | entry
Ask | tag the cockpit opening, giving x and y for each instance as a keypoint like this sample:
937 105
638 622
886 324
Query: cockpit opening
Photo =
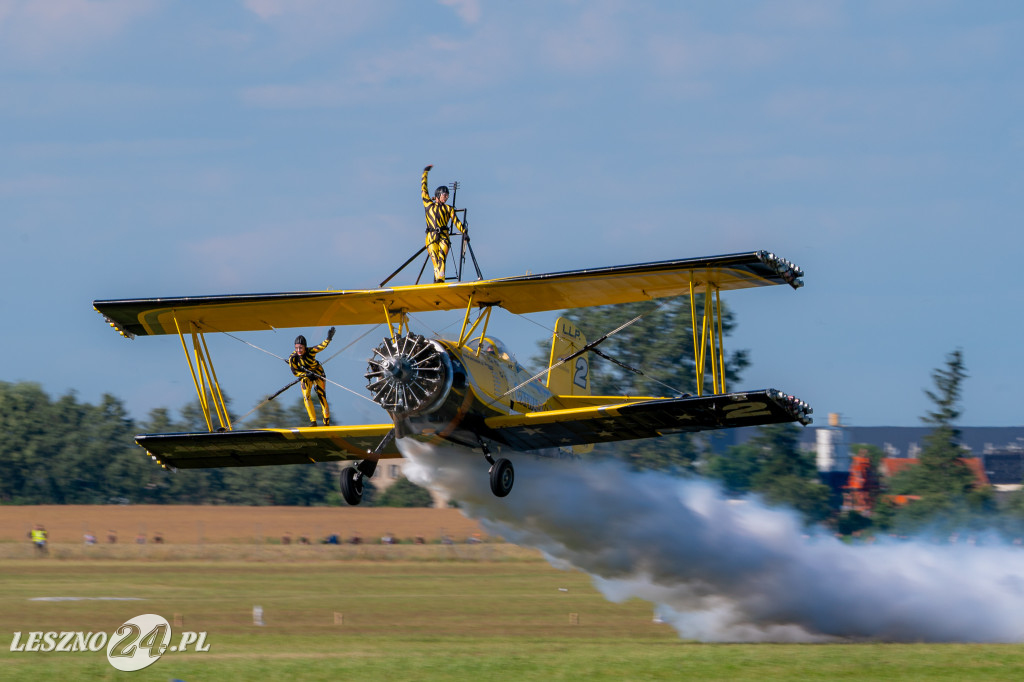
493 346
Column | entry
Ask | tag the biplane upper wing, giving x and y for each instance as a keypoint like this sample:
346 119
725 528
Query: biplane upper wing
647 418
525 294
261 447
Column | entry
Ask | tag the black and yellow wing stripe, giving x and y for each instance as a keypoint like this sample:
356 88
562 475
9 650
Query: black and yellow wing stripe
628 419
264 447
646 418
525 294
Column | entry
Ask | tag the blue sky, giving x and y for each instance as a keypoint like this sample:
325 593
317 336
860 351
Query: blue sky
160 148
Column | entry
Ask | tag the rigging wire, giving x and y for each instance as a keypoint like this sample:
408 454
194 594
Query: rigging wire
658 308
590 346
284 359
237 338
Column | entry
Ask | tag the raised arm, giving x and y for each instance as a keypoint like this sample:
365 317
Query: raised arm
425 194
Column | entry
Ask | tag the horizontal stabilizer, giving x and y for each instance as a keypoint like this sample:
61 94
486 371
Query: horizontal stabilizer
263 447
647 419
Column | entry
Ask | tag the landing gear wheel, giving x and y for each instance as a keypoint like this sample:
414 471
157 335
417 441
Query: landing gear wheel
502 477
351 485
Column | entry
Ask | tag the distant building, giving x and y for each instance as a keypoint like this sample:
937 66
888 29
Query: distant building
895 441
1005 469
832 448
894 465
995 454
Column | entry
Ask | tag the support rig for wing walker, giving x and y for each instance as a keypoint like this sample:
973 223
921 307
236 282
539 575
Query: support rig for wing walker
459 263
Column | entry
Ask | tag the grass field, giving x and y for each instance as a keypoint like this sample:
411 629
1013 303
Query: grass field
434 611
186 524
489 613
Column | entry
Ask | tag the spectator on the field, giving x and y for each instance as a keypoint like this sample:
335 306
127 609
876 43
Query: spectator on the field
39 537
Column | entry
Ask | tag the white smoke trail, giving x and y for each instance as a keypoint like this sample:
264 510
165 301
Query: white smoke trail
721 570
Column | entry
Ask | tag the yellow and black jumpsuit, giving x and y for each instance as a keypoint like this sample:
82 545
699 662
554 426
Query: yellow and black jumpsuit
438 217
311 374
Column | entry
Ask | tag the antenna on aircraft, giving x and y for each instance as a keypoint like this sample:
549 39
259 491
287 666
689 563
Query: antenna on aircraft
465 245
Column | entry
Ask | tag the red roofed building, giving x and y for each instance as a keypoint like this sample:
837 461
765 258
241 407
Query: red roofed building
894 465
861 492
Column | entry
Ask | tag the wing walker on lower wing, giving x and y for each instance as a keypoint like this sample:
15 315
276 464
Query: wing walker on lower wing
468 390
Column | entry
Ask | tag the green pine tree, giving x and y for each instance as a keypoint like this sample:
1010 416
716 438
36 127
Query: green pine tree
942 479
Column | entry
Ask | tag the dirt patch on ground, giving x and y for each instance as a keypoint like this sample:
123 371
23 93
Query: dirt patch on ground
202 524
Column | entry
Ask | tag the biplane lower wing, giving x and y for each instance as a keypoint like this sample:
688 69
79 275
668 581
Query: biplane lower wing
264 447
629 420
624 420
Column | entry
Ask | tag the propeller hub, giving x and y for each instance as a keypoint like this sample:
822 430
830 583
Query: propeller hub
400 368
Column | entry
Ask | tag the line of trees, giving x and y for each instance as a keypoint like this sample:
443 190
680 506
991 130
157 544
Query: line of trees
65 451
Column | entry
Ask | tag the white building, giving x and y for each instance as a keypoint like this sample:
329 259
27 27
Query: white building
832 450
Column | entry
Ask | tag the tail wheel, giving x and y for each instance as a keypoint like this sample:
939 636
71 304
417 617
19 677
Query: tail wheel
351 485
408 375
502 477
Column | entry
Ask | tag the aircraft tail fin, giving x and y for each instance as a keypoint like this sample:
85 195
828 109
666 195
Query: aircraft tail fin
572 377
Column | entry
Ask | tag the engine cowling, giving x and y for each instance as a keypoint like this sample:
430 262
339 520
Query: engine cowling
409 375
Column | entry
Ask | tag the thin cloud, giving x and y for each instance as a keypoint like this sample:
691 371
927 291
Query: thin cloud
40 31
485 58
249 260
708 52
468 10
813 15
33 183
305 25
594 38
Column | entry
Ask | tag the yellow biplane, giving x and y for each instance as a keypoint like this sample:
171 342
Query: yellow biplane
468 390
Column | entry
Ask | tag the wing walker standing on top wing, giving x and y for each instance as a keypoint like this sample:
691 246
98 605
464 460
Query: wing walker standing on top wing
440 220
468 390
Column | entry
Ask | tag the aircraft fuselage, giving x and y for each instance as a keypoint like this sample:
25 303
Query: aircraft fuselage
480 385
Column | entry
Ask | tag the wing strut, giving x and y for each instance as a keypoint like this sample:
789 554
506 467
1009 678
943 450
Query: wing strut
711 349
484 315
204 377
399 325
